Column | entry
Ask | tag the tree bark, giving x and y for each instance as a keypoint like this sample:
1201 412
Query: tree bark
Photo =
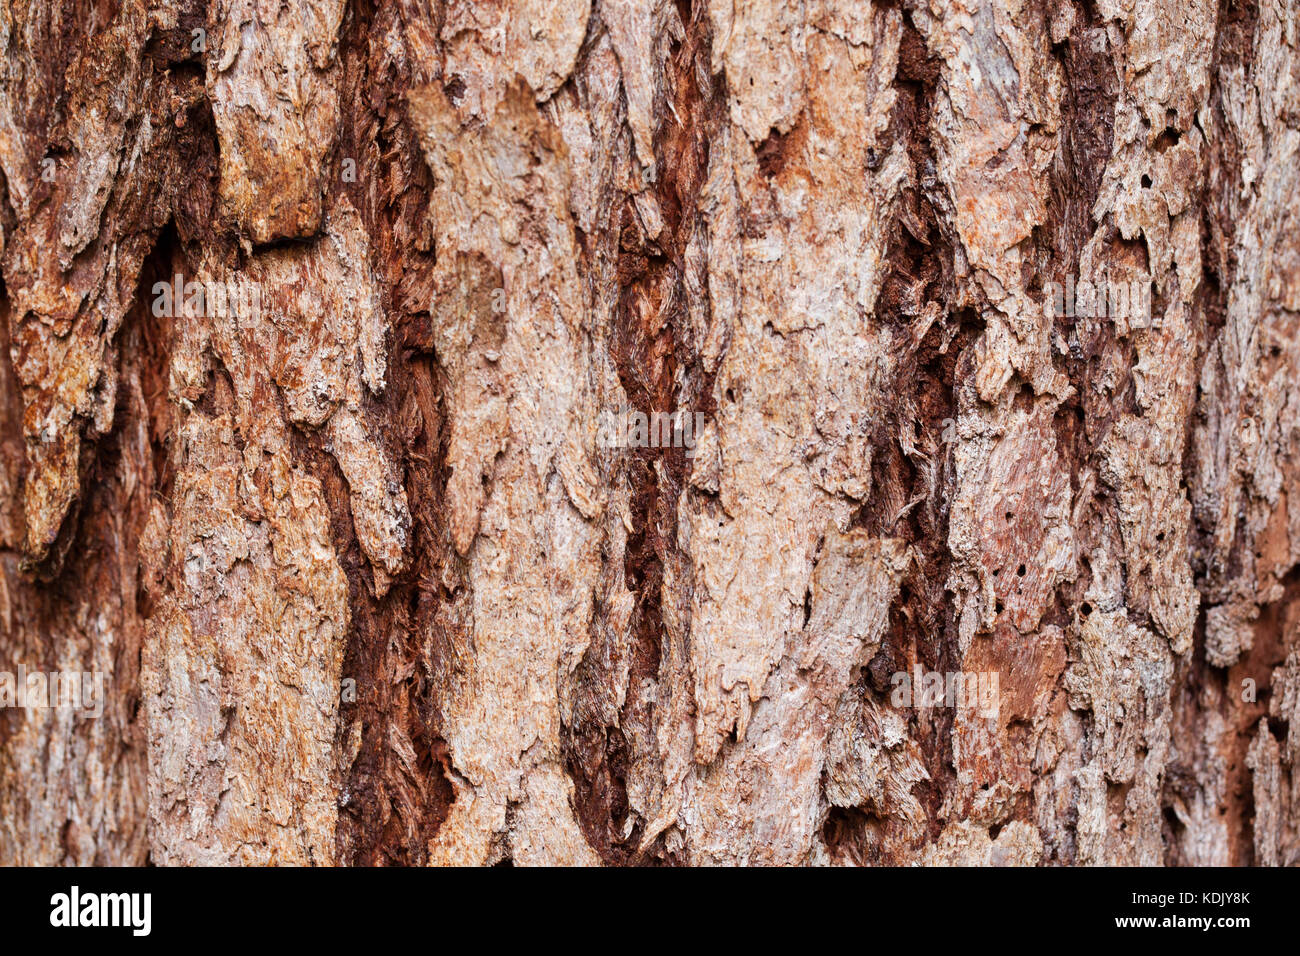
369 583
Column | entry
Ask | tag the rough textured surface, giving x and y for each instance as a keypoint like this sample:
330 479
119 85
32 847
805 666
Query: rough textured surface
366 585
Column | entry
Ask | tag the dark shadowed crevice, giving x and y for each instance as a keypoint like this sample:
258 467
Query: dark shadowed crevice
389 808
910 487
1198 681
124 472
649 346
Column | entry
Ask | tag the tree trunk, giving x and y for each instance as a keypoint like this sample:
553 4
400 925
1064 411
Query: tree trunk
974 538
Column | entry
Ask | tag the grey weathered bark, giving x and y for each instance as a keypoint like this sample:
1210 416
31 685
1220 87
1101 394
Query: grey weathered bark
456 236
